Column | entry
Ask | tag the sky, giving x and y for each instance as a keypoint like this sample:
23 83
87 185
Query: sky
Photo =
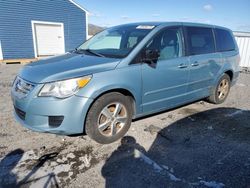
234 14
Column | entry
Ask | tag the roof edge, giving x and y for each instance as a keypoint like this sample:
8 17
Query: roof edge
79 6
241 33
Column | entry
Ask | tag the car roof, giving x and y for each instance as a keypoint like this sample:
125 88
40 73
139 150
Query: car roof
173 24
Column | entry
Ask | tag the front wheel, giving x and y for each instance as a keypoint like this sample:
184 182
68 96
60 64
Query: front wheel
109 118
221 91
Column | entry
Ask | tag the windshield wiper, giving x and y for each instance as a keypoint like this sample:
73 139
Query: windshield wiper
89 51
95 53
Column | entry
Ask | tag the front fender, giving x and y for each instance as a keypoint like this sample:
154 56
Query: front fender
127 78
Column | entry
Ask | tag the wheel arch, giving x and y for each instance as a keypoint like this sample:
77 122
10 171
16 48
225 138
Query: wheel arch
227 71
123 91
230 74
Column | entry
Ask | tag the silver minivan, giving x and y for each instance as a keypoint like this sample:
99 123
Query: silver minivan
123 73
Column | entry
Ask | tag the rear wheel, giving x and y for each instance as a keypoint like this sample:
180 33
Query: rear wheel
221 91
109 118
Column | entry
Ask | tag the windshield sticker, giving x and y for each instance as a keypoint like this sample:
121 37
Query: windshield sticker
145 27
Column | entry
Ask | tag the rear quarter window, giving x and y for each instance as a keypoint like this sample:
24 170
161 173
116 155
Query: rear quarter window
200 40
224 40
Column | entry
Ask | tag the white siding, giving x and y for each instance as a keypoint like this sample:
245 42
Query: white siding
243 41
1 53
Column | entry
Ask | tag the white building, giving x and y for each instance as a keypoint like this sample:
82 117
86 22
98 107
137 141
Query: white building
243 41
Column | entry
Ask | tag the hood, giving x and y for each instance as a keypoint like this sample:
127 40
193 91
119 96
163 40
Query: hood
66 66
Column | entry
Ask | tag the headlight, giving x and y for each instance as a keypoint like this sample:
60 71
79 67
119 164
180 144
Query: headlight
65 88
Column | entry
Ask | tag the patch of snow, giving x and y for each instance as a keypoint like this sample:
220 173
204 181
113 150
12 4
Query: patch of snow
29 155
210 128
61 168
235 113
171 170
70 174
212 184
59 160
71 155
165 167
53 163
157 168
138 154
86 160
192 119
48 180
173 177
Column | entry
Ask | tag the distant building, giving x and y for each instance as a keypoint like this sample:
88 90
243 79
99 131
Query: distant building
31 29
243 41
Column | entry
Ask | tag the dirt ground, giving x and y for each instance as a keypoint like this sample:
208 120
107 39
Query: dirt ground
199 145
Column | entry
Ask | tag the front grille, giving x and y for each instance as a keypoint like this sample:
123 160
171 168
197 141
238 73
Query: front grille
22 87
21 114
55 121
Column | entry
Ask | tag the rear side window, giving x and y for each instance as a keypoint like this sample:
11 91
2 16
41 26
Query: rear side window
224 40
200 40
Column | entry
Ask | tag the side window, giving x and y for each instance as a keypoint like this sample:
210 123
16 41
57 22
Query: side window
200 40
168 43
134 38
132 41
224 40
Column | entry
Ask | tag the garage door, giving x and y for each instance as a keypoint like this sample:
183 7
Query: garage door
49 39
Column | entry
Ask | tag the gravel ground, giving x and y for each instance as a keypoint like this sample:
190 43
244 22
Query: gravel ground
199 145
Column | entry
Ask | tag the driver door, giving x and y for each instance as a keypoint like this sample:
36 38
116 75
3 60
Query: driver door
164 83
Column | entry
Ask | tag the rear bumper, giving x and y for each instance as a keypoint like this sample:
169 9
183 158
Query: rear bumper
33 113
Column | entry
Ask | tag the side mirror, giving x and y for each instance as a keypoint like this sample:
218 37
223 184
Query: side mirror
150 56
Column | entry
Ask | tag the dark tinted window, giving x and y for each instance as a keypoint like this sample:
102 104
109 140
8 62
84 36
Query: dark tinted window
224 40
200 40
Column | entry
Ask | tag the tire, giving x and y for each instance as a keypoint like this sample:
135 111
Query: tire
218 95
109 118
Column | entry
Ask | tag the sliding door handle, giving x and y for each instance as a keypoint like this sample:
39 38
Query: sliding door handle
195 64
182 65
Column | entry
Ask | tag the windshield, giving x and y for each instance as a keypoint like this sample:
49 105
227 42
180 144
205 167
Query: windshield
116 42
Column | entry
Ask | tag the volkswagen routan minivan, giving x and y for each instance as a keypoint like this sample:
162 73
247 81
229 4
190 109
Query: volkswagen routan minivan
123 73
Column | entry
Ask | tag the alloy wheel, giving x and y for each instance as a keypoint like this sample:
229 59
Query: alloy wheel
112 119
223 89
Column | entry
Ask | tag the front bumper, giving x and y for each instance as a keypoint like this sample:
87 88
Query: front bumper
35 112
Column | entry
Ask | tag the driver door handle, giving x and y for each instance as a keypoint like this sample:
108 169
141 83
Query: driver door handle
195 64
